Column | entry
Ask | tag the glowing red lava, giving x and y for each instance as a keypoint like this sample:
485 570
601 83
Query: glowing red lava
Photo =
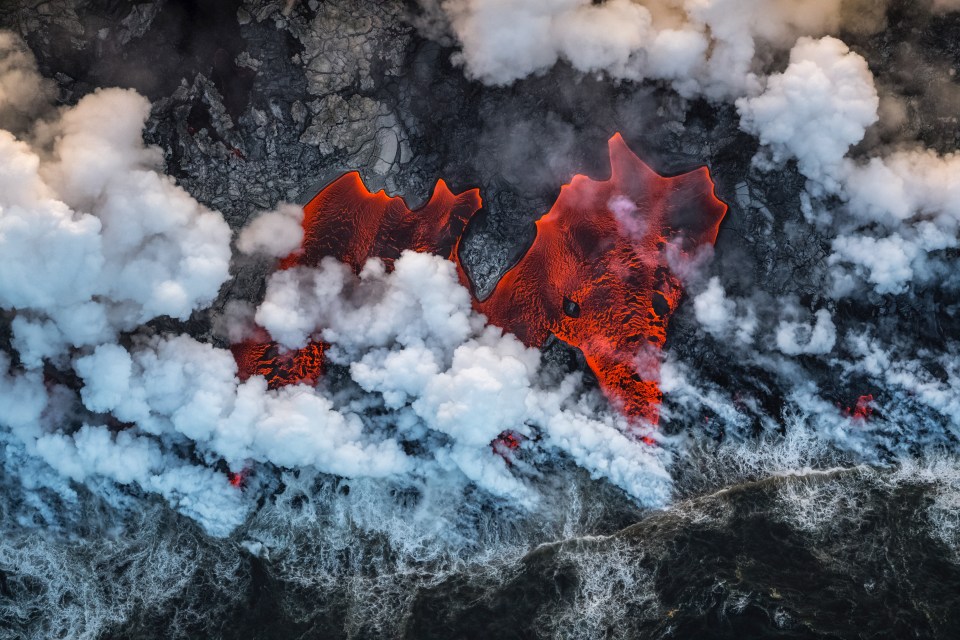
280 368
506 443
238 479
600 274
351 224
861 411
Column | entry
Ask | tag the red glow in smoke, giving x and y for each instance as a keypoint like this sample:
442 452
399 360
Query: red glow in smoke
238 479
862 410
597 276
506 443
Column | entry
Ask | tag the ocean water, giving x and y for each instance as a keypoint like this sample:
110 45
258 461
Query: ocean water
840 552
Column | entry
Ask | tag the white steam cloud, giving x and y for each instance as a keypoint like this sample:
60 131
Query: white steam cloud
97 242
718 314
703 47
273 233
816 109
796 338
411 337
900 209
445 380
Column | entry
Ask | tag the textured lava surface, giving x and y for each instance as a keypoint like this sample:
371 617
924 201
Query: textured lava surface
351 224
280 368
601 272
347 222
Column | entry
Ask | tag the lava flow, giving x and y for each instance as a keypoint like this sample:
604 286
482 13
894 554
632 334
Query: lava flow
598 274
280 368
862 410
347 222
351 224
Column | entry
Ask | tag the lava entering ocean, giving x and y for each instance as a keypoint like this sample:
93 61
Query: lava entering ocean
598 275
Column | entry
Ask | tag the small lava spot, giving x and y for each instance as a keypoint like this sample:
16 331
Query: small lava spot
862 410
238 479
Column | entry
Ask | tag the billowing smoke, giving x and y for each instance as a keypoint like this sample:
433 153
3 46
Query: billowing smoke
888 215
97 243
436 443
901 209
411 338
702 47
816 109
273 233
719 316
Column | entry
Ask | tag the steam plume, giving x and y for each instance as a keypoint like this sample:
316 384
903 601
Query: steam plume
97 242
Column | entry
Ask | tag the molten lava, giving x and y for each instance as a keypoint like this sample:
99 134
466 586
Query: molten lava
280 368
861 411
506 443
600 274
351 224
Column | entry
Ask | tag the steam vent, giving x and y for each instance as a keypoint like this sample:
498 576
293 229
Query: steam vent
479 319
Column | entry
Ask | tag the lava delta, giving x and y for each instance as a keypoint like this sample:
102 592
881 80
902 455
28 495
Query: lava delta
601 273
